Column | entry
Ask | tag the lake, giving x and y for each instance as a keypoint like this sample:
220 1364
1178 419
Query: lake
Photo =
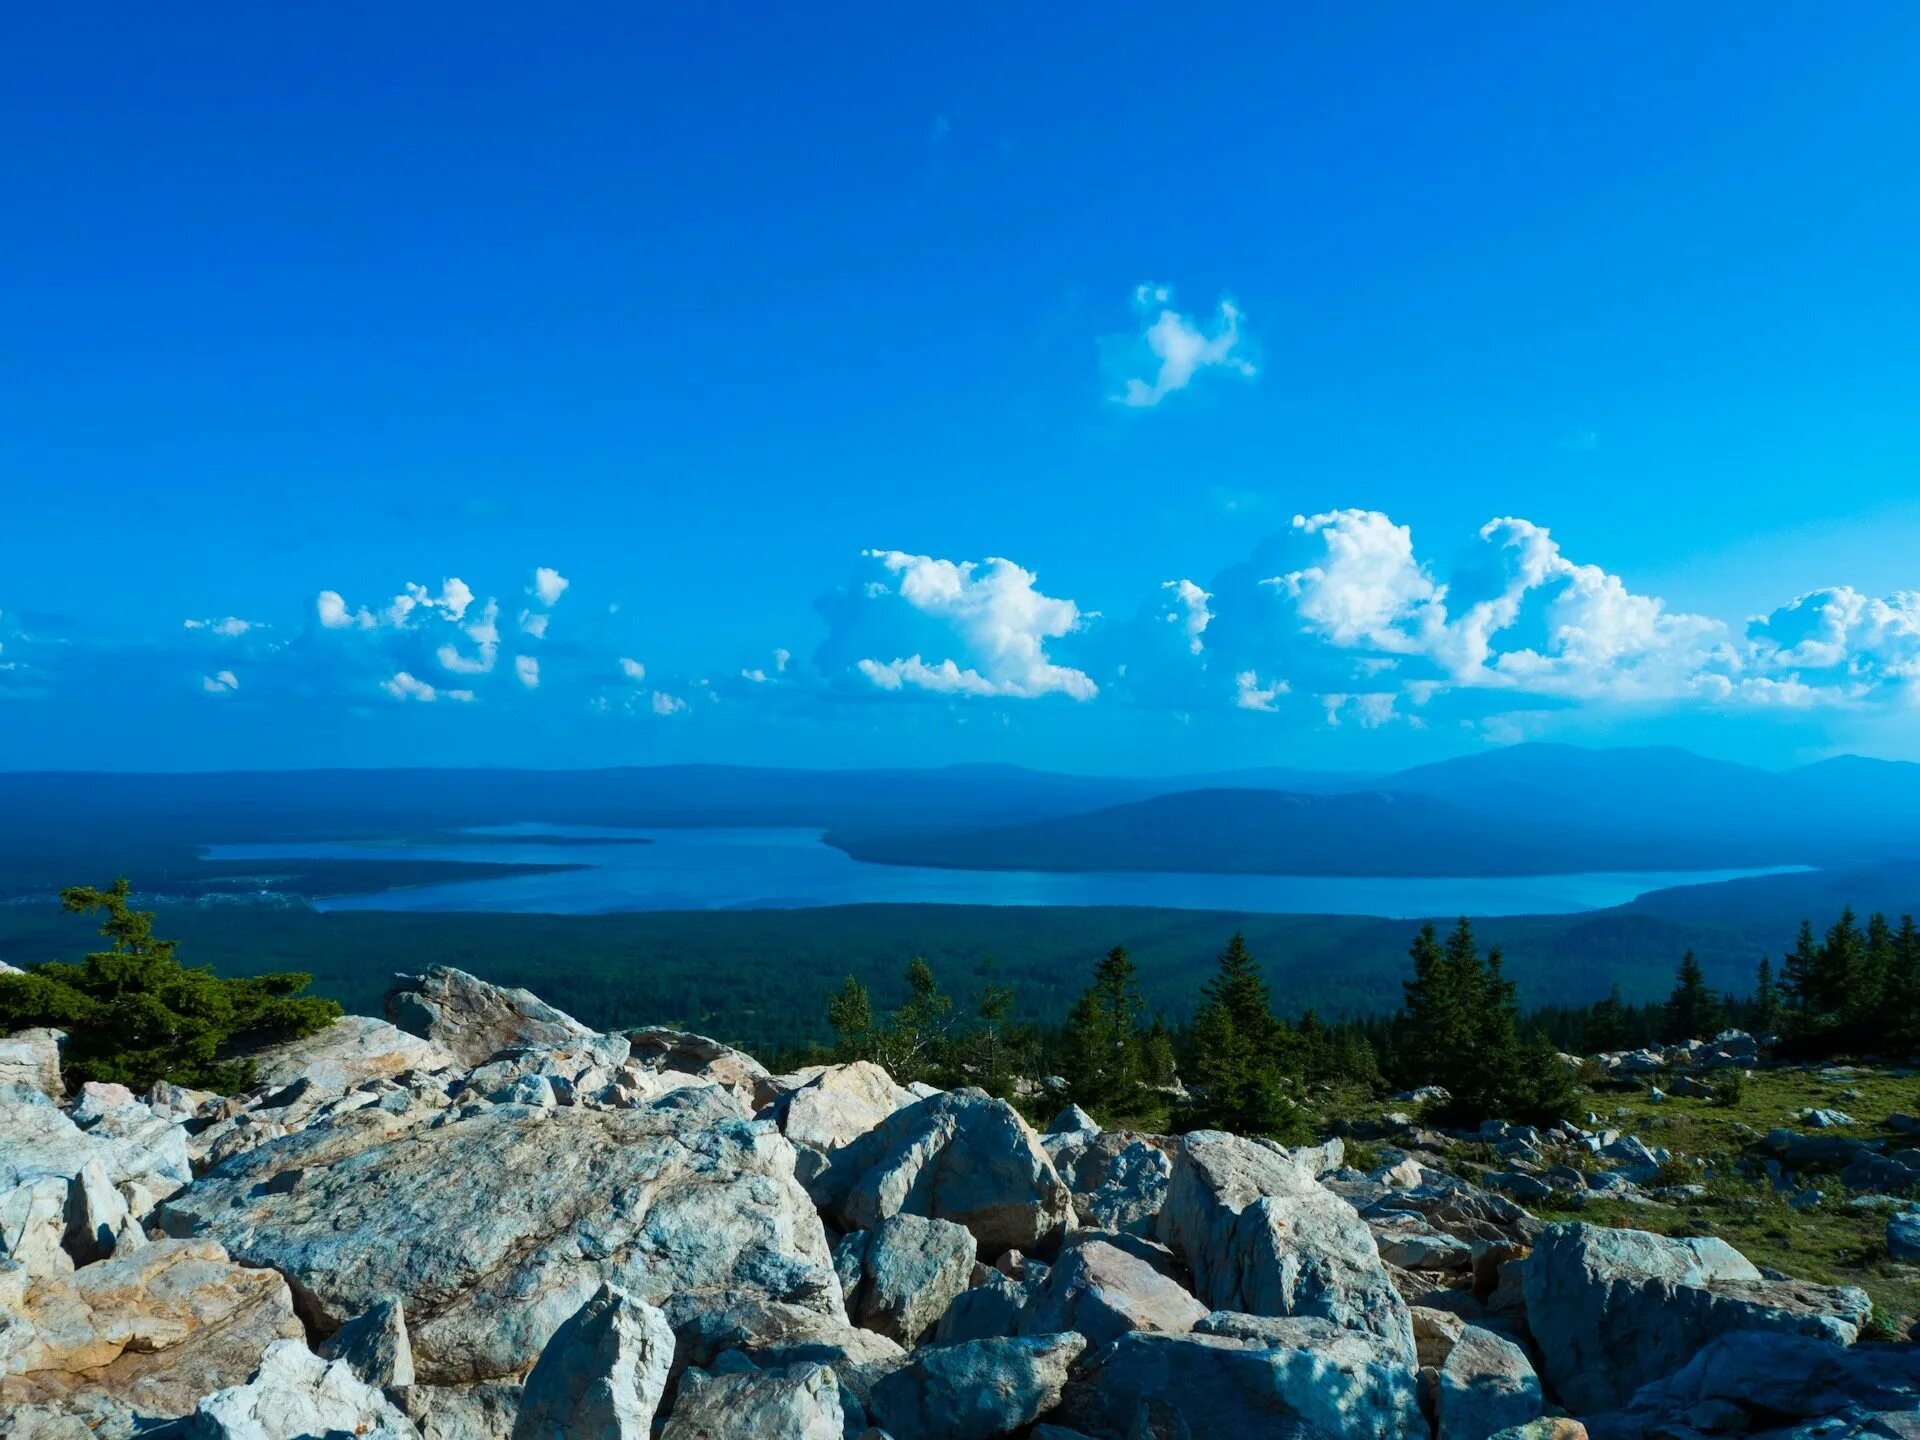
779 869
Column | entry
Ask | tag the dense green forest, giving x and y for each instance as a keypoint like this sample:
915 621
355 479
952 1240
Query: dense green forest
757 978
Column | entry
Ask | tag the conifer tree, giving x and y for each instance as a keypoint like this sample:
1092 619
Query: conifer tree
1607 1025
1693 1010
1104 1057
1234 1066
1766 1000
850 1016
133 1014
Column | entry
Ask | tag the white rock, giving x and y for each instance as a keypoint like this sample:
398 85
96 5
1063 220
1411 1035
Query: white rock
601 1375
296 1395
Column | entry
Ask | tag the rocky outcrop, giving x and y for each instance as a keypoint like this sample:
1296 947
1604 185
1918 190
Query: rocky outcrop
134 1146
509 1228
153 1330
295 1394
681 1052
472 1019
959 1156
899 1277
975 1389
1614 1310
1262 1236
601 1375
679 1209
352 1050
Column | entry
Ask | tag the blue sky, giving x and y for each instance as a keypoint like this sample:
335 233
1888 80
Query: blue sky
759 325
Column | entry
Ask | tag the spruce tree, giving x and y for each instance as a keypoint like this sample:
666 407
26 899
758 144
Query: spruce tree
1606 1028
1766 1000
850 1016
133 1014
1104 1059
1903 988
1234 1067
1693 1010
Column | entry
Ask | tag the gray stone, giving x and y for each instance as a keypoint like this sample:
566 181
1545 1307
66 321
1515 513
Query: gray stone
1769 1380
133 1145
1613 1310
601 1375
959 1156
1260 1375
681 1052
97 1221
834 1105
1261 1235
989 1308
1124 1189
349 1052
1102 1292
975 1389
1903 1235
375 1345
798 1402
472 1019
294 1395
1486 1385
151 1330
1074 1121
910 1270
33 1225
30 1060
493 1228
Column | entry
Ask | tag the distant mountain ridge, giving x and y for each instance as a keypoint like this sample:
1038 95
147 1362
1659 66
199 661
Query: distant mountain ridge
1527 809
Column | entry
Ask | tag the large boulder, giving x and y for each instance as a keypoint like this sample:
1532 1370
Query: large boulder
1101 1292
905 1272
1262 1236
494 1227
296 1395
1120 1182
350 1051
830 1106
472 1019
1768 1380
601 1375
774 1335
975 1389
1486 1385
153 1329
1613 1310
30 1060
794 1402
1246 1375
958 1155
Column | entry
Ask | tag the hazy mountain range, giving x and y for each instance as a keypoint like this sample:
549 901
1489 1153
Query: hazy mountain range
1529 809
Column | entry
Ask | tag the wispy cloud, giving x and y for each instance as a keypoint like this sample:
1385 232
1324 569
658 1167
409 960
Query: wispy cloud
1179 347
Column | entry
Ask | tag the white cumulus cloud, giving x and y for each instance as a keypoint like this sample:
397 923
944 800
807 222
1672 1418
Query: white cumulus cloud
998 622
221 682
1182 346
